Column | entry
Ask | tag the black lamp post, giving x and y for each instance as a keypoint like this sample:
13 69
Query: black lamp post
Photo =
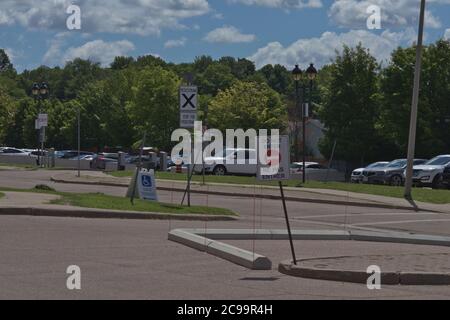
40 92
311 74
297 75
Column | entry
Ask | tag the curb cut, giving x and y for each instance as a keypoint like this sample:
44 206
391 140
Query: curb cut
107 214
258 196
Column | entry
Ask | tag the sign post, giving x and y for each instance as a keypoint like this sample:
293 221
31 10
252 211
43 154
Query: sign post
188 116
41 123
282 148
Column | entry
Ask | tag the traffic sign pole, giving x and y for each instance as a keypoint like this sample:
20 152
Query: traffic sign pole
188 115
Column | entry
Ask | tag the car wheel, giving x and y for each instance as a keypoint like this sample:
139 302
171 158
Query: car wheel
220 171
437 182
396 181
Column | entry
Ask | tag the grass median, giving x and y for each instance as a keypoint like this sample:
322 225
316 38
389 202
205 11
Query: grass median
419 194
102 201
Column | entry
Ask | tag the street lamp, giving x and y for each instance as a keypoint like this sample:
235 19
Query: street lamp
311 74
297 76
40 92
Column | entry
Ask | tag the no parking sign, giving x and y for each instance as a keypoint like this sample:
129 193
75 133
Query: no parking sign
277 155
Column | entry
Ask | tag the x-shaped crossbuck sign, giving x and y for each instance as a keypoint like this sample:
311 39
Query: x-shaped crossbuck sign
188 101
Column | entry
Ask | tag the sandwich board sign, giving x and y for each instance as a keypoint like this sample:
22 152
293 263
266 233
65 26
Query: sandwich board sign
147 185
188 106
277 154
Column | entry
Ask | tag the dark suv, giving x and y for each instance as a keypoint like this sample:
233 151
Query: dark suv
391 174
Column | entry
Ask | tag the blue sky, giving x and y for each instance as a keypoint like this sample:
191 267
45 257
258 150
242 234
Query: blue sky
265 31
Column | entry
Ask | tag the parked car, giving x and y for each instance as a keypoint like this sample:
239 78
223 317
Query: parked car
226 163
103 158
70 154
392 174
430 173
297 167
38 153
357 174
446 177
14 152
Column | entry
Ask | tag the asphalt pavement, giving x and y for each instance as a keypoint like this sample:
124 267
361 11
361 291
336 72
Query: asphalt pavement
123 259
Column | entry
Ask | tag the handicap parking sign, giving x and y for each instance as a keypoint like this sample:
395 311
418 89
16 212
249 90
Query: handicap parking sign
146 181
147 185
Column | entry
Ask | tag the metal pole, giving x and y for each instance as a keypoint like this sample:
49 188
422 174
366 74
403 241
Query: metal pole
296 120
79 141
138 168
42 146
414 105
294 259
331 160
206 128
304 138
36 99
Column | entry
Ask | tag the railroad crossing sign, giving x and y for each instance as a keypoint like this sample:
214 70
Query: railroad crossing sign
188 106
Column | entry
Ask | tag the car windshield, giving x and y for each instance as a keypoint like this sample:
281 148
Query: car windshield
396 164
376 165
439 161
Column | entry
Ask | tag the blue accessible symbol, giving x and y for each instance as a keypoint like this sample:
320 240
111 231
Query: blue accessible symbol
146 181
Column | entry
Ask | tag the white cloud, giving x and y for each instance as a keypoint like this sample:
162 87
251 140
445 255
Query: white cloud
99 51
322 50
12 54
395 13
447 34
286 4
228 35
175 43
143 17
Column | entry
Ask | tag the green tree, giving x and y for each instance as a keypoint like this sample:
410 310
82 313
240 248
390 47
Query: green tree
247 105
350 107
7 108
154 107
5 63
216 77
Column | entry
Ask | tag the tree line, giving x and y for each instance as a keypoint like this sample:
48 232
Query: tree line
363 104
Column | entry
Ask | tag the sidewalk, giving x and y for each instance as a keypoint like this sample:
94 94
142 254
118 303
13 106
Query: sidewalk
323 196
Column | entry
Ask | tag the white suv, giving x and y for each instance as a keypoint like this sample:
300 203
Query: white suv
430 173
227 163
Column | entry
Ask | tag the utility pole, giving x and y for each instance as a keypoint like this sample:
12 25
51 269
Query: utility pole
79 140
414 106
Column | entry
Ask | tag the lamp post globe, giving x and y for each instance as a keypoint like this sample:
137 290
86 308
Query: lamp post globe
35 90
311 72
297 73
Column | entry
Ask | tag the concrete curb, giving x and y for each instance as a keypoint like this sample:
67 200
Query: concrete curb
233 254
107 214
387 278
204 240
258 196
